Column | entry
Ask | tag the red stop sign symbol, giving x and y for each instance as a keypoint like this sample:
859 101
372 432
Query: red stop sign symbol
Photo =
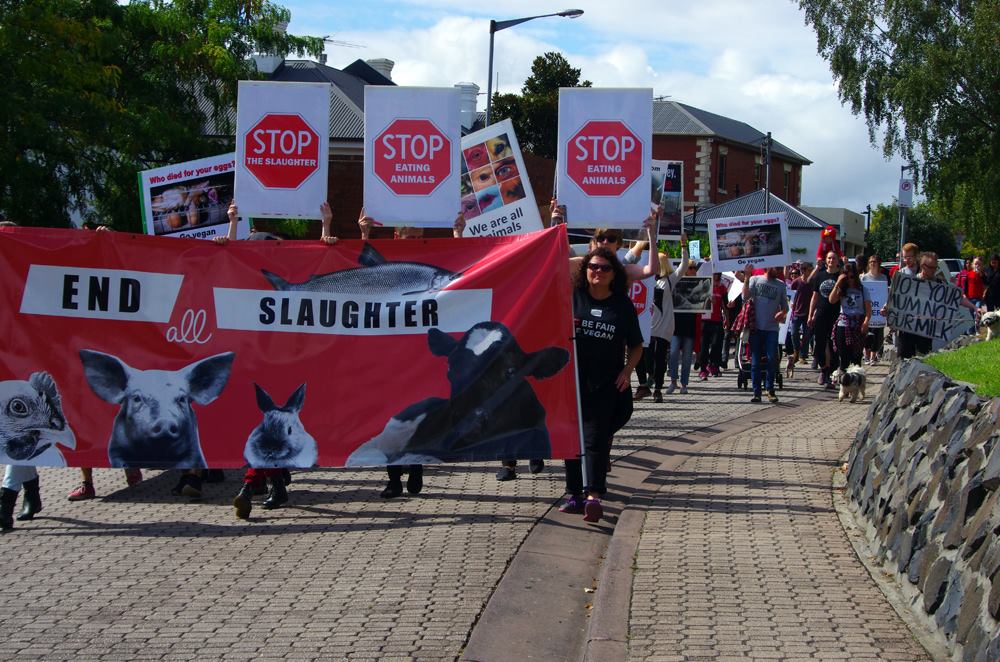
604 158
281 151
637 293
412 157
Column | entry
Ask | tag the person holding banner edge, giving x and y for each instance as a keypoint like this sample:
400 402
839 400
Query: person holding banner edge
608 347
415 478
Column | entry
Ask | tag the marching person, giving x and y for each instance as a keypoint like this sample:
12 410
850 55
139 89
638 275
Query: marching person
770 300
15 477
852 323
710 357
279 478
415 477
875 336
910 344
685 330
823 315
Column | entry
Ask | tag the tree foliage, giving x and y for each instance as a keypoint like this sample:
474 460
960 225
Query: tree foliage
96 91
535 112
925 76
923 228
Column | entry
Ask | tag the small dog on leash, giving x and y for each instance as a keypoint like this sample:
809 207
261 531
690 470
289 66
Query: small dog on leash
852 383
793 358
991 321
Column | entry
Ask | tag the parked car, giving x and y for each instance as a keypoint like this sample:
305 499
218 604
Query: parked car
955 266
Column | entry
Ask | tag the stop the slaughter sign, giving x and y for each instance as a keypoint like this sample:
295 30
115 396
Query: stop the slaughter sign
604 153
412 157
282 138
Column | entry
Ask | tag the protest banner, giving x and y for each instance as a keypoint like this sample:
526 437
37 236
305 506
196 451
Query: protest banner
603 168
926 308
416 351
667 183
282 149
641 294
877 292
413 139
497 199
190 199
693 294
760 240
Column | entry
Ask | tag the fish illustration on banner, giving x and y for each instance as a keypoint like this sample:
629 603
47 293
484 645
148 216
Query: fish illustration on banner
497 199
432 349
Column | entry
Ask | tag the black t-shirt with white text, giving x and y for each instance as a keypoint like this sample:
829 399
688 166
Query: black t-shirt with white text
605 328
824 283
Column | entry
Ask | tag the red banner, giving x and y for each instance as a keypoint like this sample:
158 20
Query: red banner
132 351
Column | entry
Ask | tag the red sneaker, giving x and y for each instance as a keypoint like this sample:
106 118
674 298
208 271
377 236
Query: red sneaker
592 511
82 492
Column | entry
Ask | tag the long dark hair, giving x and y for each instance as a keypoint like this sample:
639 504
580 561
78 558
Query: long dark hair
853 279
619 284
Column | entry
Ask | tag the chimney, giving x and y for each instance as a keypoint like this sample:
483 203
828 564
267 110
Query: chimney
268 64
469 96
382 65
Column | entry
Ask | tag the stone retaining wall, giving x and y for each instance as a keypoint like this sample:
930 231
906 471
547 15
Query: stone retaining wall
924 480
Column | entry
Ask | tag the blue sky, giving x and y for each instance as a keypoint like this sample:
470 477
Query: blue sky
752 61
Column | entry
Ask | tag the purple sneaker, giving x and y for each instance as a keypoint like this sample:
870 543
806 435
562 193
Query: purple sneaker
593 512
573 505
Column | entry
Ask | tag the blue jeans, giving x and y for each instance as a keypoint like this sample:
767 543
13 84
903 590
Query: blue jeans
800 336
763 343
681 350
18 474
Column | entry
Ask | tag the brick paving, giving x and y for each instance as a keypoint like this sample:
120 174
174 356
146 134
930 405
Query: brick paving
742 556
341 574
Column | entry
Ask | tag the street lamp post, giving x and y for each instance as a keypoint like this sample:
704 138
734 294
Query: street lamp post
496 26
902 216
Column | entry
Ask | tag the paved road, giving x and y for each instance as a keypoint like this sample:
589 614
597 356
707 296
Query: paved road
342 574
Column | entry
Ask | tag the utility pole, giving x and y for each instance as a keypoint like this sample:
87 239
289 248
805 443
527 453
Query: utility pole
903 200
767 173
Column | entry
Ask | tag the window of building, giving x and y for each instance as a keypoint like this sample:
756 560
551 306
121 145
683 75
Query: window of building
787 180
756 176
722 171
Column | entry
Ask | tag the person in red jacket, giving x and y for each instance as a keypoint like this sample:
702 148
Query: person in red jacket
828 242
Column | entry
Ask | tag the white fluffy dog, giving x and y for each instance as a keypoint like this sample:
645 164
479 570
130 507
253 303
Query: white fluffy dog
991 321
852 383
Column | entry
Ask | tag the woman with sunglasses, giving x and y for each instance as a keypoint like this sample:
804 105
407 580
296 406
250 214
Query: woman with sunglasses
876 336
852 323
607 331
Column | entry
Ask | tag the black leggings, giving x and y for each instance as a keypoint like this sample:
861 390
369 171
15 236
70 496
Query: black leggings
711 345
598 410
653 365
846 355
822 328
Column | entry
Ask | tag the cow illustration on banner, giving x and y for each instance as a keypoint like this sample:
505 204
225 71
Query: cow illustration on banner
189 354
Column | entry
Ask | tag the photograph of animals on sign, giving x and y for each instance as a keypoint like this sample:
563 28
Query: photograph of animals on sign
760 240
473 354
693 294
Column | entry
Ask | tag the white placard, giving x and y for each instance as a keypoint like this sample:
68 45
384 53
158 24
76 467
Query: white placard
877 292
694 249
667 185
282 149
413 138
927 308
497 199
641 294
190 199
603 172
760 240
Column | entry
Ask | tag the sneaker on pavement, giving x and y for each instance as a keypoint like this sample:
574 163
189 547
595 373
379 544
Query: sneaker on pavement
771 397
592 511
657 395
536 466
684 390
715 371
133 476
642 392
573 505
821 379
755 398
506 473
671 389
82 492
703 375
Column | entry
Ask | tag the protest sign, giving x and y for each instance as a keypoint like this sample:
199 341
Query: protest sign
735 285
693 294
760 240
497 199
877 292
604 167
667 183
694 250
926 308
190 199
437 340
282 148
413 139
641 294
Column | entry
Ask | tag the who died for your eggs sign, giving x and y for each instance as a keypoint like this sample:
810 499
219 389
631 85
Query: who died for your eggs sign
282 148
412 161
605 156
497 199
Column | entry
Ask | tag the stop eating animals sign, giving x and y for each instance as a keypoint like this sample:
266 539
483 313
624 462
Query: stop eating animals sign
412 157
604 158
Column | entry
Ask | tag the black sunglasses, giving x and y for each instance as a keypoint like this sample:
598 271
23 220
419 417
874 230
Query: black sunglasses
601 238
593 266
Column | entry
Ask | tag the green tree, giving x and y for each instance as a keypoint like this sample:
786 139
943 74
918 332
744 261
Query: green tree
925 77
96 91
923 228
535 112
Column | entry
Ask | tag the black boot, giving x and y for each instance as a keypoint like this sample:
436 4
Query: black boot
7 500
193 487
395 485
278 495
182 482
415 481
32 501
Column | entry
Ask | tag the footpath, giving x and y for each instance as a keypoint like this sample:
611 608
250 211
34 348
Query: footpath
720 542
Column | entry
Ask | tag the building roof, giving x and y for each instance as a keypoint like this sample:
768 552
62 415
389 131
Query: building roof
675 118
753 203
347 100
